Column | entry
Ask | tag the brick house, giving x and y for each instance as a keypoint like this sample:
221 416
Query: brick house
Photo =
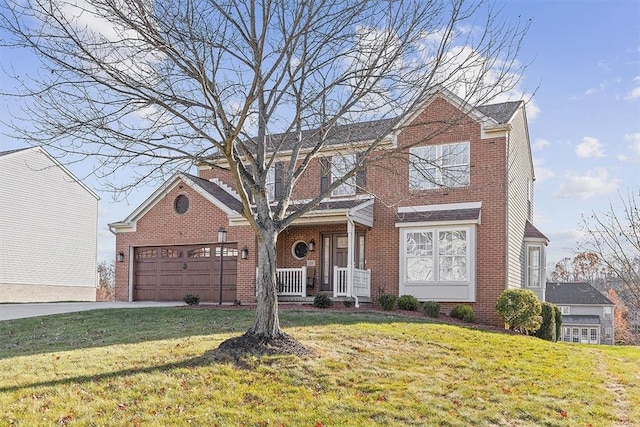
461 236
587 315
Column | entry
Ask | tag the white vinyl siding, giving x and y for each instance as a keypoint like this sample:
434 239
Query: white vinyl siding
49 225
438 263
438 166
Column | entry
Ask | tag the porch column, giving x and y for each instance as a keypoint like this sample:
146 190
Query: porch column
350 252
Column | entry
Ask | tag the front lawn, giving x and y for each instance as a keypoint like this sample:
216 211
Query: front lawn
154 367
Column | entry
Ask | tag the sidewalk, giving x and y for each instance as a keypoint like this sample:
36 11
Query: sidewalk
18 311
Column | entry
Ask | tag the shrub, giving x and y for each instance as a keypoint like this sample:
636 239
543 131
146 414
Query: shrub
520 309
547 330
347 303
322 301
558 318
408 302
387 301
432 308
463 312
191 299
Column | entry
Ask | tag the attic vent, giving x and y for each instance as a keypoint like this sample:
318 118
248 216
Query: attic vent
181 205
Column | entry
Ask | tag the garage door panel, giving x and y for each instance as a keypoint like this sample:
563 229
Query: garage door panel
169 273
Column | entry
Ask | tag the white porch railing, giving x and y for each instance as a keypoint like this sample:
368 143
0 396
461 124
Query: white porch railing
361 282
292 281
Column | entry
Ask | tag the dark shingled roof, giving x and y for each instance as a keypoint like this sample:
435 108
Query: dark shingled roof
575 293
580 319
532 232
444 215
217 192
367 131
3 153
333 204
502 112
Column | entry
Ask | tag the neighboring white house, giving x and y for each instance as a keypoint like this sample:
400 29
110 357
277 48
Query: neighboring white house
48 230
587 315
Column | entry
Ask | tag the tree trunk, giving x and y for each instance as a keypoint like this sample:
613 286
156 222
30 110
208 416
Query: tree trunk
267 323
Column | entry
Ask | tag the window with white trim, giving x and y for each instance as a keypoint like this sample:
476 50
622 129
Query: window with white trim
340 165
271 183
534 266
565 309
435 166
437 263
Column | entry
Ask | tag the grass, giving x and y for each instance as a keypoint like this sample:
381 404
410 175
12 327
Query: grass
153 367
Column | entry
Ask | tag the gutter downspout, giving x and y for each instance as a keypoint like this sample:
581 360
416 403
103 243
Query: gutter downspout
350 248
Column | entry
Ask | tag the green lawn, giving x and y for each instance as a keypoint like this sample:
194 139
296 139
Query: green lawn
153 367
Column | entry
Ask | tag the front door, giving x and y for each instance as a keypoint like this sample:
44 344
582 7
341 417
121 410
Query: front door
335 249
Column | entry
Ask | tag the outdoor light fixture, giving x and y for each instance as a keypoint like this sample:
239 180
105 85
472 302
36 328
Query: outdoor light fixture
312 245
222 235
120 256
244 253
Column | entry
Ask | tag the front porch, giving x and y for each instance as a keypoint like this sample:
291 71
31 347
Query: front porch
293 282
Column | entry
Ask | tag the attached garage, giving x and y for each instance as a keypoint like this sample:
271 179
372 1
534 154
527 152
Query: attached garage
168 273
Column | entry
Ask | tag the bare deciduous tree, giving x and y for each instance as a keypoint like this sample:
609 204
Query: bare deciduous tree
615 236
149 88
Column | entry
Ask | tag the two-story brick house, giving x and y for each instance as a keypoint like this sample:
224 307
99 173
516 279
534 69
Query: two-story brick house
447 218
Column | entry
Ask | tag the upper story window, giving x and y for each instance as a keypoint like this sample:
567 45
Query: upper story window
565 310
340 165
436 166
274 181
334 168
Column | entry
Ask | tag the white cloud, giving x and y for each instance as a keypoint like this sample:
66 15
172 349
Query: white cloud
594 183
589 147
634 143
539 144
542 174
635 92
600 88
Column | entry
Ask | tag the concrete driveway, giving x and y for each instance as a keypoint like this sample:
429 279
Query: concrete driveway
18 311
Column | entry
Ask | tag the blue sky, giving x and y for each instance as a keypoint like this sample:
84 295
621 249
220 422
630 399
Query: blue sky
584 120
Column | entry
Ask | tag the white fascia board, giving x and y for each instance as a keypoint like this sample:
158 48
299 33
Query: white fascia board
226 209
440 207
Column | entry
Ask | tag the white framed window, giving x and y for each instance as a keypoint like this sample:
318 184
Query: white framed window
340 165
271 183
565 310
438 263
607 312
534 266
436 166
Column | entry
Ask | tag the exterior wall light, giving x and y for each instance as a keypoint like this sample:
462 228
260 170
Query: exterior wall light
120 256
312 245
244 253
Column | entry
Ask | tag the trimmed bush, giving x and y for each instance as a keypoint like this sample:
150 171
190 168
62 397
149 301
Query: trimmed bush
387 301
408 302
558 318
547 330
431 308
520 309
322 301
191 299
463 312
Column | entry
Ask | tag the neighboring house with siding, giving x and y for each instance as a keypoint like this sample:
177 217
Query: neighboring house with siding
587 315
463 236
48 230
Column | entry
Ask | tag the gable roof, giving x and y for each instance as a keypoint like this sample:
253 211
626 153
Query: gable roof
531 232
578 293
502 112
214 191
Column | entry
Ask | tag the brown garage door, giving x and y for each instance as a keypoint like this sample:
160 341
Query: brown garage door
168 273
